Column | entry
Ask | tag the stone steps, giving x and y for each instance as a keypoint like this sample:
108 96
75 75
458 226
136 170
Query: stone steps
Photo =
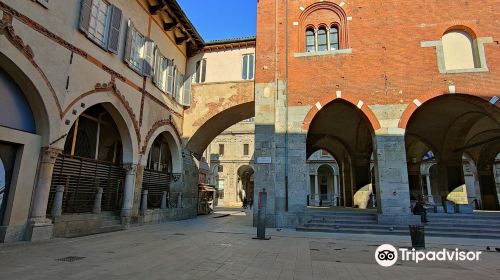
400 232
440 225
102 229
428 228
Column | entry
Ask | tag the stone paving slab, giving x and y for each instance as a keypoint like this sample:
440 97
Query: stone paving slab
223 248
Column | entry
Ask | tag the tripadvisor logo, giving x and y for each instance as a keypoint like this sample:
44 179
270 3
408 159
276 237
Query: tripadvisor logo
387 255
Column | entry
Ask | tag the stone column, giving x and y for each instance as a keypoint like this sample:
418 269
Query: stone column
56 210
393 194
335 189
179 200
164 200
40 228
42 188
128 192
97 201
316 190
144 201
430 198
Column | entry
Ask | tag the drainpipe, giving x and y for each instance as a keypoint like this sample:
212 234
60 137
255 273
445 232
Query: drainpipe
286 105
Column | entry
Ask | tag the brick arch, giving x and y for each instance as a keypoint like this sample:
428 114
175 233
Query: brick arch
416 103
361 105
168 128
121 112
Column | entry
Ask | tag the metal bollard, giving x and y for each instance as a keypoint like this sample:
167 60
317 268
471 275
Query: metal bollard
261 216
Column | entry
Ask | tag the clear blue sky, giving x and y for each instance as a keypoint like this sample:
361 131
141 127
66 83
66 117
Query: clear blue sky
221 19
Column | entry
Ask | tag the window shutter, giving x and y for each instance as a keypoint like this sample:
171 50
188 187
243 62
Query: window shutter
170 75
149 47
114 29
186 93
157 68
85 11
128 43
180 81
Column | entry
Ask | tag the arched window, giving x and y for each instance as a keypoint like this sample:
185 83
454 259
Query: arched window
310 40
334 38
322 40
459 50
160 157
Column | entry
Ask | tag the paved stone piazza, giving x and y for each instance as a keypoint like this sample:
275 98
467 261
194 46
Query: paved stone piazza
210 247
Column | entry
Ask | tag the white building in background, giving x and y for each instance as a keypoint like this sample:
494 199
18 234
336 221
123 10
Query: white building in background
232 163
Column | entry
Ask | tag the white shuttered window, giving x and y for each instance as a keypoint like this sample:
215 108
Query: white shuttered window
101 22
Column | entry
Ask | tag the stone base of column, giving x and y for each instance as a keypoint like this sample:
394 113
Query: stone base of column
126 217
13 233
386 219
39 230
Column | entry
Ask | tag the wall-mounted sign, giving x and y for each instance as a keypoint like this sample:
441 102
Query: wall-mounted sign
264 160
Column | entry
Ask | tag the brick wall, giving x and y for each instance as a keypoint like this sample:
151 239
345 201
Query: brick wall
387 64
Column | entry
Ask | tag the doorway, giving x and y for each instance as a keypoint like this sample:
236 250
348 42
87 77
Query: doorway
7 161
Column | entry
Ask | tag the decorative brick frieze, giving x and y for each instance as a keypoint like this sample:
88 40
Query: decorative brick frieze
155 127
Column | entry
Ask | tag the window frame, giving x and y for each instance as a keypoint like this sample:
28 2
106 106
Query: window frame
248 69
334 27
313 36
139 68
201 71
221 150
162 63
246 149
326 39
106 21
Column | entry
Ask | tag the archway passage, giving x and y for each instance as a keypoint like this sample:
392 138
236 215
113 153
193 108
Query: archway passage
217 124
157 174
15 114
463 133
345 132
246 184
92 159
324 190
324 186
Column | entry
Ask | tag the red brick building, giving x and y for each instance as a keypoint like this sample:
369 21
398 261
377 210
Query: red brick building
380 85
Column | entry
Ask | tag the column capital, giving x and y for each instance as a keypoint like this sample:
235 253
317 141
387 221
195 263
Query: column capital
130 168
49 154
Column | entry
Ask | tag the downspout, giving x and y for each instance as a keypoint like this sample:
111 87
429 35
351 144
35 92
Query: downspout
286 105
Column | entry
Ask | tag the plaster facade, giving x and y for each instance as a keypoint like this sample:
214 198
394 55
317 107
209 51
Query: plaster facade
364 102
62 73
